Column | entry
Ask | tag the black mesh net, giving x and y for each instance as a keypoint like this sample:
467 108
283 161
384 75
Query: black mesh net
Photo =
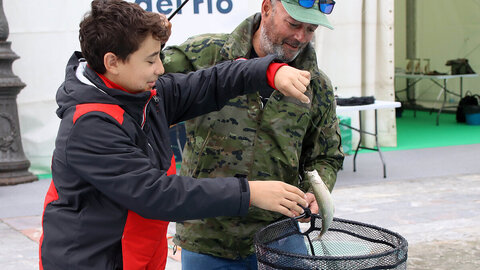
346 245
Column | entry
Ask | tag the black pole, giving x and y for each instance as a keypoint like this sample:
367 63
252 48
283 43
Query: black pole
13 163
177 10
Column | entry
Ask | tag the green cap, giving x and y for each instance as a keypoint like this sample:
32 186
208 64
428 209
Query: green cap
311 15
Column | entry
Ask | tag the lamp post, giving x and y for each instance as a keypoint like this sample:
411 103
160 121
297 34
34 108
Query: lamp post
13 163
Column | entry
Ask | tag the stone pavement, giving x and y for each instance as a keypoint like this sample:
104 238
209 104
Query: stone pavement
439 216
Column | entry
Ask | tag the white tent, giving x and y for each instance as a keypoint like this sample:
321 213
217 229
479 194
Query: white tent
358 55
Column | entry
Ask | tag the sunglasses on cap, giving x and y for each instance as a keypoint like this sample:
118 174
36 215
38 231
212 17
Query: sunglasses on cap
325 6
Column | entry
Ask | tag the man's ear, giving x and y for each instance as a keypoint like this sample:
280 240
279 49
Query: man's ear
111 63
266 7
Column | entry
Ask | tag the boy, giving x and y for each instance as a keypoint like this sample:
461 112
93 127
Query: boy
110 167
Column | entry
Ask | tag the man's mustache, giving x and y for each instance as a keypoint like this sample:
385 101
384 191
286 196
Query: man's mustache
295 43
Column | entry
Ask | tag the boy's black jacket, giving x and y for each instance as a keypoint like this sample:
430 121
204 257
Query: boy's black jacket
112 152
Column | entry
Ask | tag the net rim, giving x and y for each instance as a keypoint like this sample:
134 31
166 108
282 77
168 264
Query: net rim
403 243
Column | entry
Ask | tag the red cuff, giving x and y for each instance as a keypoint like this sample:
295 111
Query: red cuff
271 71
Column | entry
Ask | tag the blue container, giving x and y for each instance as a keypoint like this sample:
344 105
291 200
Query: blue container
472 114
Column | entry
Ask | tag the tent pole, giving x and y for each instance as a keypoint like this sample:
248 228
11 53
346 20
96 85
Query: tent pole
411 43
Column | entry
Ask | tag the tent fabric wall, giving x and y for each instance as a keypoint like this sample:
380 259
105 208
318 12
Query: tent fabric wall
358 57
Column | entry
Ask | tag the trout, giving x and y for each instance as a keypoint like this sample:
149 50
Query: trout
324 199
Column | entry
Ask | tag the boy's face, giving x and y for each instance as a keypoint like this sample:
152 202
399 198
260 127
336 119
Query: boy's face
140 71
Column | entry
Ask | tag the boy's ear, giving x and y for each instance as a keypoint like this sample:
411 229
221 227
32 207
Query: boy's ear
111 62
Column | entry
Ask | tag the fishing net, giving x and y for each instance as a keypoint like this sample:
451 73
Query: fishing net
346 245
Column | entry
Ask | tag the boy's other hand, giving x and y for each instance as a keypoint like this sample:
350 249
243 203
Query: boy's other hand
278 197
292 82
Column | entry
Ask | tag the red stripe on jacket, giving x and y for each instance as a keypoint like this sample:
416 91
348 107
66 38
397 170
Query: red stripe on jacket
51 196
113 110
144 242
271 71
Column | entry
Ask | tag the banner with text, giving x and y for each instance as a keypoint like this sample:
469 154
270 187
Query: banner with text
199 16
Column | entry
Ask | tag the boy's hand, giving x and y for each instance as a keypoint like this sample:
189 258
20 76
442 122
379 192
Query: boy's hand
292 82
277 196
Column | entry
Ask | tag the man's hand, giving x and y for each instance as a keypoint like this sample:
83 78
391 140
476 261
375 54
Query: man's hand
292 82
277 196
312 204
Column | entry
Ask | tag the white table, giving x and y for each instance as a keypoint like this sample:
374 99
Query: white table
379 104
434 78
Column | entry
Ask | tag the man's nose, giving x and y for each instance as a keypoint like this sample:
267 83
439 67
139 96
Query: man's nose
301 36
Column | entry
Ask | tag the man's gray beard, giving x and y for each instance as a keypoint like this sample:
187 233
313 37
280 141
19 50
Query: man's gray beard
276 49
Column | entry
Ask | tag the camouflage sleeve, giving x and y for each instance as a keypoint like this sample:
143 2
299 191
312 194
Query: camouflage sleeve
322 143
175 61
195 53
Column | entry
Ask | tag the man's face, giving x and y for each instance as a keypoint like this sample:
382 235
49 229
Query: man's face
282 35
141 69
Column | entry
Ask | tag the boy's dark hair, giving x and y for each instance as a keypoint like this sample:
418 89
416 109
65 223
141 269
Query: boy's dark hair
119 27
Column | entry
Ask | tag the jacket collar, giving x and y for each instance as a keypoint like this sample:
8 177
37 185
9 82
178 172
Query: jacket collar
133 103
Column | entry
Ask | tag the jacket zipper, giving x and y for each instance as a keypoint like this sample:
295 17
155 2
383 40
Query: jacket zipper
153 94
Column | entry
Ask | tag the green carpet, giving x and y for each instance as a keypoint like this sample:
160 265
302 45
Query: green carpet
422 132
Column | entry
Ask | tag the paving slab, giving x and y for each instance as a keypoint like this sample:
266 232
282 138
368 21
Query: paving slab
17 251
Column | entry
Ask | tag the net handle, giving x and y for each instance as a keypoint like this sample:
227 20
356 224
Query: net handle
306 213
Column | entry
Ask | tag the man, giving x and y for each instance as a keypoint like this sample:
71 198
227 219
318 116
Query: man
261 135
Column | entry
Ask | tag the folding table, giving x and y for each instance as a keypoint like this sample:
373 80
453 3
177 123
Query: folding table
379 104
434 78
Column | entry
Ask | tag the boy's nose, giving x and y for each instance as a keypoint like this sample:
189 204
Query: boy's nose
159 69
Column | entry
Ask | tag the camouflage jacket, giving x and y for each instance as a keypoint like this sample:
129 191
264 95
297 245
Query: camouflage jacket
275 141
